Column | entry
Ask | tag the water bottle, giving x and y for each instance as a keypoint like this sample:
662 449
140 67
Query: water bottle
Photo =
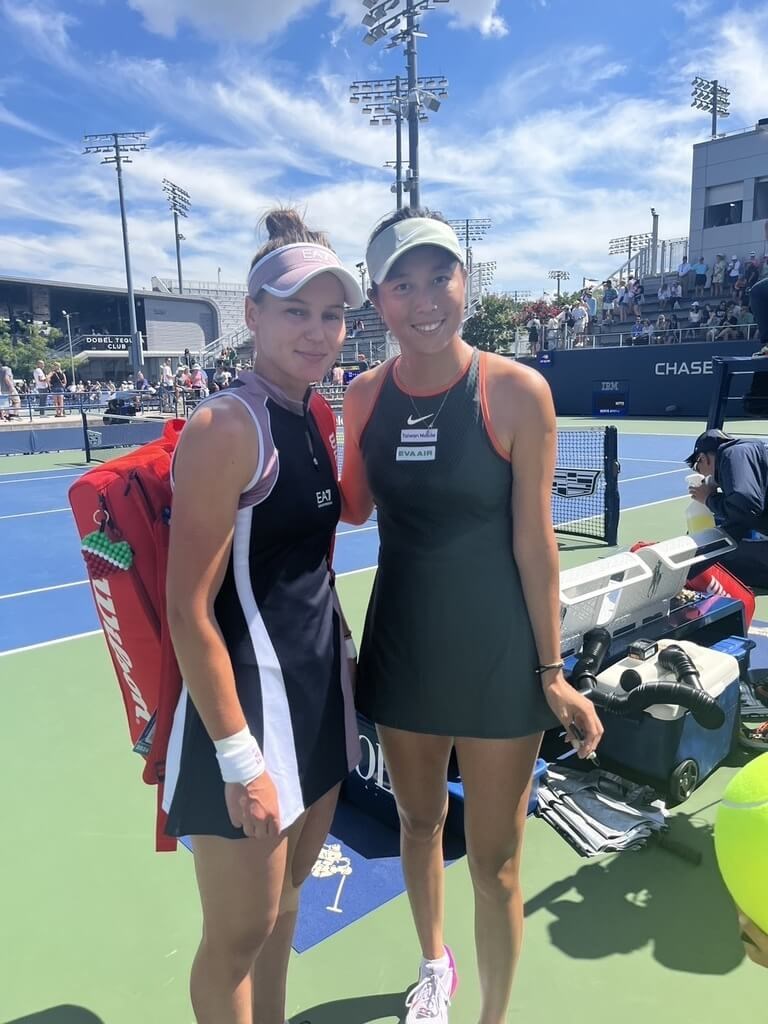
697 514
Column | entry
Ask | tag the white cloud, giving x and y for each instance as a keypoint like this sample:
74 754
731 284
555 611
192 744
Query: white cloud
7 117
481 14
225 19
42 28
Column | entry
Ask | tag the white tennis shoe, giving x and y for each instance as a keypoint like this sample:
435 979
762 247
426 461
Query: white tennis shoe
429 1000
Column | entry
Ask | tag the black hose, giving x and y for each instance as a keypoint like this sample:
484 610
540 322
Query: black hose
642 696
674 659
702 706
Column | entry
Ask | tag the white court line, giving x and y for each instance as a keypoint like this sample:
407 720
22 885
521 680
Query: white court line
360 529
47 512
95 632
41 479
43 590
49 643
650 476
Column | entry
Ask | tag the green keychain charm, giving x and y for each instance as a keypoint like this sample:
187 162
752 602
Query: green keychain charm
104 556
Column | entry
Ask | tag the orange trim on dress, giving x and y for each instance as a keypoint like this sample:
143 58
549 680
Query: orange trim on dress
377 396
429 394
485 409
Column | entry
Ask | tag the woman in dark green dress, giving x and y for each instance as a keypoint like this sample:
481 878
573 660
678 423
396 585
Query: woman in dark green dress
456 448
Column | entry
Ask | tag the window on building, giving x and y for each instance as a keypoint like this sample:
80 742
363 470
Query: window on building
761 199
722 214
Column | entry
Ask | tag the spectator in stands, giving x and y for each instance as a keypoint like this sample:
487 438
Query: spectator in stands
638 297
360 358
637 331
610 296
751 273
199 381
42 386
676 296
683 275
359 326
590 302
142 384
700 269
674 328
625 301
221 376
534 329
10 403
551 332
664 295
694 321
58 384
730 330
718 275
187 357
337 376
580 316
733 273
739 289
660 331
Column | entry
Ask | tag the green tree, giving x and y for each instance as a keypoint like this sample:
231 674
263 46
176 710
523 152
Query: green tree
22 351
493 326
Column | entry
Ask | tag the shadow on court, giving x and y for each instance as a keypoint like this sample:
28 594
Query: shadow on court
60 1015
649 898
354 1011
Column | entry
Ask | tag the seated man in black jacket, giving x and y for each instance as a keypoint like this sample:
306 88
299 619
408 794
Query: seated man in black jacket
737 495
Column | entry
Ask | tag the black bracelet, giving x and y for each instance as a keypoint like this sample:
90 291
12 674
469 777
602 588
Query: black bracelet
541 669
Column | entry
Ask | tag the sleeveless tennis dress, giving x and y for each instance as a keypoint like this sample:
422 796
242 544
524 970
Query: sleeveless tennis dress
278 614
448 647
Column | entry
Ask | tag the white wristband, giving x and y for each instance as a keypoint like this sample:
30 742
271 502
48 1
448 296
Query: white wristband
349 645
240 757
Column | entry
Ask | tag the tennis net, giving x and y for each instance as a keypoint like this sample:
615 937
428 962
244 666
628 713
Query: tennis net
585 491
107 429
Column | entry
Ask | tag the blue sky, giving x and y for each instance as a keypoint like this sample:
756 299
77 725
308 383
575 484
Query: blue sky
566 122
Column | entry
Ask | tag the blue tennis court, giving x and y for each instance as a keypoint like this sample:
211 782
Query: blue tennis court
44 590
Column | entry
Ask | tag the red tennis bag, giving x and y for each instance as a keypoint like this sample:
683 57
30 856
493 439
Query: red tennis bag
123 511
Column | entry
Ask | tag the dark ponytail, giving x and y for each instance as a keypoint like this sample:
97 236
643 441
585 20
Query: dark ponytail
285 226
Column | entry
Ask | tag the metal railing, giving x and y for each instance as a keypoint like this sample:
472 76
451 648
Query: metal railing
222 287
669 253
685 334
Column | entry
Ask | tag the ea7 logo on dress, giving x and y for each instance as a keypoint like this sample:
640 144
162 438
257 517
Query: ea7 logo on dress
575 483
324 498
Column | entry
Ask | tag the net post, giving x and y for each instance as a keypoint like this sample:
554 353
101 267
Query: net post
611 470
720 388
86 439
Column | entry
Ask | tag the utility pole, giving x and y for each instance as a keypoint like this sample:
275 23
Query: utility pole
384 17
470 230
559 275
114 145
179 202
385 102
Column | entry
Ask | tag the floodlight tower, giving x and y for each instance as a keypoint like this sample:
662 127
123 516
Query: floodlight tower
471 230
179 202
487 271
384 18
559 275
629 244
709 95
385 100
115 144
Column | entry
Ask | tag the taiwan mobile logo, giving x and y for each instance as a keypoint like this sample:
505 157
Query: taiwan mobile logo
575 483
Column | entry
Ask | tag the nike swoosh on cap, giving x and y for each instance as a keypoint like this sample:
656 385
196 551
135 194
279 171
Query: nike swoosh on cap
412 422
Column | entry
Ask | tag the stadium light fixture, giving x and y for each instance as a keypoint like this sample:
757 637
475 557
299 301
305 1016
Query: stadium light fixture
386 101
471 230
559 275
711 96
384 19
179 202
629 244
114 146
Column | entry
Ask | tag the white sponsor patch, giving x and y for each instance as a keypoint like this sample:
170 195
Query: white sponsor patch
418 436
415 453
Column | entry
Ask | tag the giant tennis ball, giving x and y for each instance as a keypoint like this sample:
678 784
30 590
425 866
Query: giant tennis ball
741 839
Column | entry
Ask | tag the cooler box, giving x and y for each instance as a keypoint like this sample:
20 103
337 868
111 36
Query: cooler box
665 744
